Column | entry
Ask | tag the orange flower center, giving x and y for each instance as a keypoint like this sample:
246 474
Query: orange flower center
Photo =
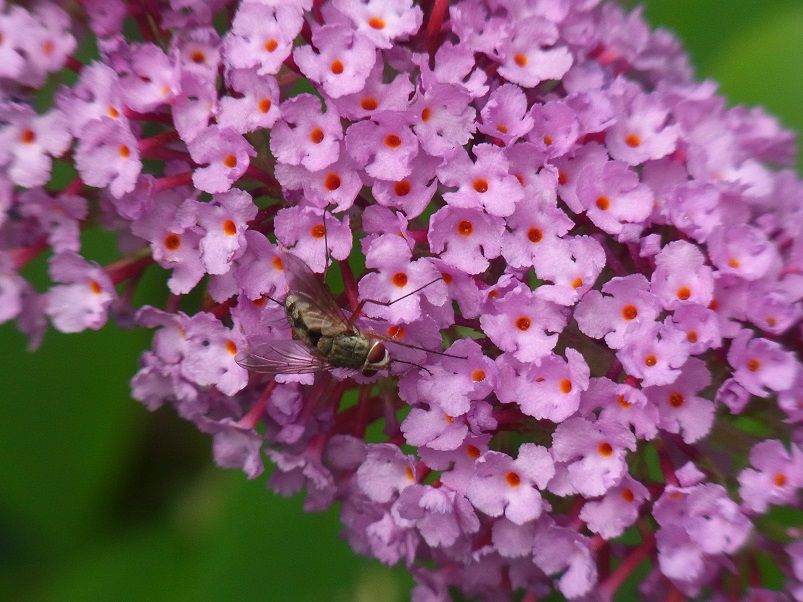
676 399
316 136
473 452
605 449
409 472
577 282
27 136
376 23
336 67
317 231
400 279
229 228
734 263
331 181
501 128
633 140
95 287
172 242
513 479
779 480
264 105
691 336
392 141
629 312
603 203
124 151
683 293
478 375
230 161
277 263
196 56
520 59
548 140
753 365
369 103
563 178
270 45
535 234
395 331
401 188
480 185
650 360
523 323
565 386
627 495
465 227
231 347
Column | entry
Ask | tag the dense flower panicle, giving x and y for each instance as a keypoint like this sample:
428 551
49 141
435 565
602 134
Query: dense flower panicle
612 256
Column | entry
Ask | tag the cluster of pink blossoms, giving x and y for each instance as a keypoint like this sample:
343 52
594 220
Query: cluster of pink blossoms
621 263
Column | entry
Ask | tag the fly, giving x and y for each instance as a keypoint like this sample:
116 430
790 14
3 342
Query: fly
324 337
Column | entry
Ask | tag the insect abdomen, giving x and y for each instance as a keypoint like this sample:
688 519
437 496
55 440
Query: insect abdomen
345 350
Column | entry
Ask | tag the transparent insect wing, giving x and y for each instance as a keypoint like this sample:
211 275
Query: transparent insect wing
303 282
286 356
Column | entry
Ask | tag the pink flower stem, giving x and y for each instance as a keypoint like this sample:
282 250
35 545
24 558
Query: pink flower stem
362 411
614 581
145 28
75 186
22 255
169 182
73 64
257 411
667 468
167 154
419 236
434 23
614 371
157 141
349 284
421 472
129 267
263 177
157 117
674 595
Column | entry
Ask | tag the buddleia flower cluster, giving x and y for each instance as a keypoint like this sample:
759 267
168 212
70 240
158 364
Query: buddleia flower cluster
617 260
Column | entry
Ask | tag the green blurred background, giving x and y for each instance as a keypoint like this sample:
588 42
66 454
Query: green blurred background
100 499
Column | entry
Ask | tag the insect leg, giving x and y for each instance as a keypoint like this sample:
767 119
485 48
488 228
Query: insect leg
357 310
325 243
412 364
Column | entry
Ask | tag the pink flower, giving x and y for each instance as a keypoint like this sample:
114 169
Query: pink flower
226 155
502 485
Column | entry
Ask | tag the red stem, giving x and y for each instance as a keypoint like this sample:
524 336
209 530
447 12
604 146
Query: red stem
434 24
254 415
609 586
157 141
350 283
22 255
169 182
128 267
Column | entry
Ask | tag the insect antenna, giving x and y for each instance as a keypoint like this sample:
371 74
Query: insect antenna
358 310
411 346
395 361
276 301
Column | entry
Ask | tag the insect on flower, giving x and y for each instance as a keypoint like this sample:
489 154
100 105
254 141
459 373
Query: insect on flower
325 337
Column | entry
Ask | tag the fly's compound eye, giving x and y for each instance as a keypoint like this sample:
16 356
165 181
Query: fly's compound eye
376 354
